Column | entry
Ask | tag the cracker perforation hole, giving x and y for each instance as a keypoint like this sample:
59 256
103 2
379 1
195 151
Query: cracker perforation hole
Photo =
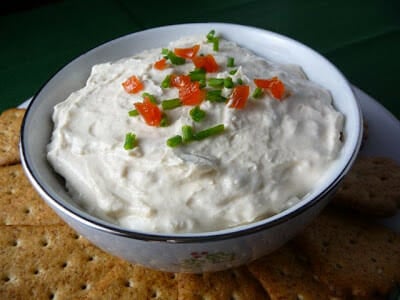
27 210
52 296
6 278
234 296
352 241
338 266
84 286
14 243
128 284
154 294
36 272
383 178
64 264
44 242
91 258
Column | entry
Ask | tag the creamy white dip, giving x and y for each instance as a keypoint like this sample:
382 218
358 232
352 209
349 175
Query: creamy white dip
271 154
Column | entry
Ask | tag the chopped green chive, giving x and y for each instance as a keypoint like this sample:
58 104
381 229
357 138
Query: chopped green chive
133 113
211 38
174 141
175 60
215 96
209 132
228 83
130 141
164 121
164 51
211 35
239 81
151 97
257 93
231 62
171 103
187 133
197 114
166 83
216 44
202 83
198 74
233 72
216 82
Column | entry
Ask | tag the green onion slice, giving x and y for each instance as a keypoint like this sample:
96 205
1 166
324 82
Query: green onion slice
239 81
133 113
228 83
165 51
197 114
130 141
211 35
174 141
230 62
197 74
211 38
164 121
209 132
257 93
233 72
187 133
175 60
215 96
215 82
171 103
166 83
150 96
216 44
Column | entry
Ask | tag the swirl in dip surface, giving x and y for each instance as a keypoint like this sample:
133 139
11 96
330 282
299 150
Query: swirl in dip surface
270 155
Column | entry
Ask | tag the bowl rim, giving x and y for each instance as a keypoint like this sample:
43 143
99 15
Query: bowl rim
241 230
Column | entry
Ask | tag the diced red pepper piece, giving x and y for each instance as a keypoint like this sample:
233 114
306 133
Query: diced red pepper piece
160 64
191 94
239 96
133 85
274 85
150 112
188 53
206 62
179 81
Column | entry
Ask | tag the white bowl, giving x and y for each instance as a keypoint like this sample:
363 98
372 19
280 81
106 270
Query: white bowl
209 251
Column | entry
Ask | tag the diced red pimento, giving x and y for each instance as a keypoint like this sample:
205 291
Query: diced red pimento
191 94
239 96
133 85
188 53
150 112
206 62
274 85
160 64
179 81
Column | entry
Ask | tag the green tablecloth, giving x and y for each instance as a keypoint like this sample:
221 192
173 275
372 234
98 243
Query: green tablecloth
362 38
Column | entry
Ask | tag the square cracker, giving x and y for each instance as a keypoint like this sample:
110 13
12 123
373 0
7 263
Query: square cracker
128 281
371 187
10 126
352 255
286 274
48 262
237 283
19 202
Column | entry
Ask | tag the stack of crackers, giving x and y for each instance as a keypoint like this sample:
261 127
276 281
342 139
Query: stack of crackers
343 254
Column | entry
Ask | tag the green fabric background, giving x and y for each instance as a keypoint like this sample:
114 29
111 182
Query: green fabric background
362 38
